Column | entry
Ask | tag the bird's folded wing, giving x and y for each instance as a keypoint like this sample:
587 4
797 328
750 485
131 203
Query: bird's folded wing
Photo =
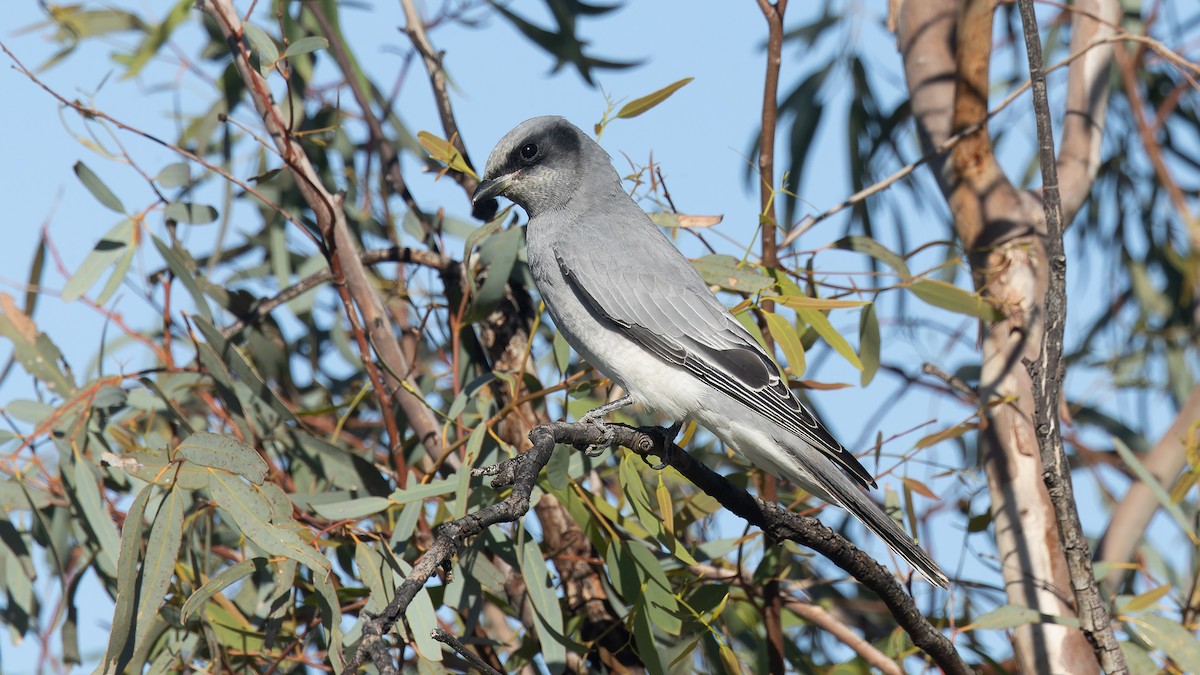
684 324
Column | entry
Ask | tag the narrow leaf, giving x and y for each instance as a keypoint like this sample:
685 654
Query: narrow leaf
174 175
111 247
120 643
868 343
444 152
226 453
955 299
97 187
1164 499
789 341
640 105
189 213
226 578
1173 639
820 323
805 302
261 43
305 45
162 551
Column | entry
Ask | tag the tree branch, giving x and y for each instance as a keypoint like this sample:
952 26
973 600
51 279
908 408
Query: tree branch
776 521
1047 374
392 254
343 250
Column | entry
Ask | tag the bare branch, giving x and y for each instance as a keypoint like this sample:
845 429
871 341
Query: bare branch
1047 374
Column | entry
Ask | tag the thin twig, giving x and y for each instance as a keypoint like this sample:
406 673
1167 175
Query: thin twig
392 254
1047 373
415 30
461 649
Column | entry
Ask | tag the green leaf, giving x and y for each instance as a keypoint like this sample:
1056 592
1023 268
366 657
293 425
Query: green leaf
225 453
87 491
183 273
331 617
422 617
562 353
97 187
35 352
305 45
788 340
155 38
261 43
955 299
120 643
444 151
251 511
820 323
1164 498
1173 639
375 574
806 302
158 566
353 509
545 604
640 105
656 589
226 578
422 491
877 251
643 636
190 213
175 175
729 273
868 343
1005 617
112 246
1144 601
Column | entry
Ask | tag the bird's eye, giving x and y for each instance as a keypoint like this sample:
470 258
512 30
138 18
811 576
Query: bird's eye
529 150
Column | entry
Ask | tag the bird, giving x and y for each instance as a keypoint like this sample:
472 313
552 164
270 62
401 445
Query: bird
633 306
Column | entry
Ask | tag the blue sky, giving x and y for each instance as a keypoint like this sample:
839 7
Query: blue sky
699 136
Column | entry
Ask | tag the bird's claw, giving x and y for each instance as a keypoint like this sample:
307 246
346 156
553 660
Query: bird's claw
597 449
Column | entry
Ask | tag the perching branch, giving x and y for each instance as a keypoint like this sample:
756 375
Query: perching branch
777 522
1047 374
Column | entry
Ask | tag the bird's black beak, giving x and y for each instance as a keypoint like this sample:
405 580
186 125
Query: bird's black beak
483 202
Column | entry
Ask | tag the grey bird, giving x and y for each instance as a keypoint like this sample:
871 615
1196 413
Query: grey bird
635 308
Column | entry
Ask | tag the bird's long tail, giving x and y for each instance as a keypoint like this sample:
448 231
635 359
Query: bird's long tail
849 496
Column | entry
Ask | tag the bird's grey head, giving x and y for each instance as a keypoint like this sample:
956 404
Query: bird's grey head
541 164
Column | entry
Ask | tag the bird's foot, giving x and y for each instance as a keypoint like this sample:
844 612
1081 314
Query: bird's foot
594 415
599 448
